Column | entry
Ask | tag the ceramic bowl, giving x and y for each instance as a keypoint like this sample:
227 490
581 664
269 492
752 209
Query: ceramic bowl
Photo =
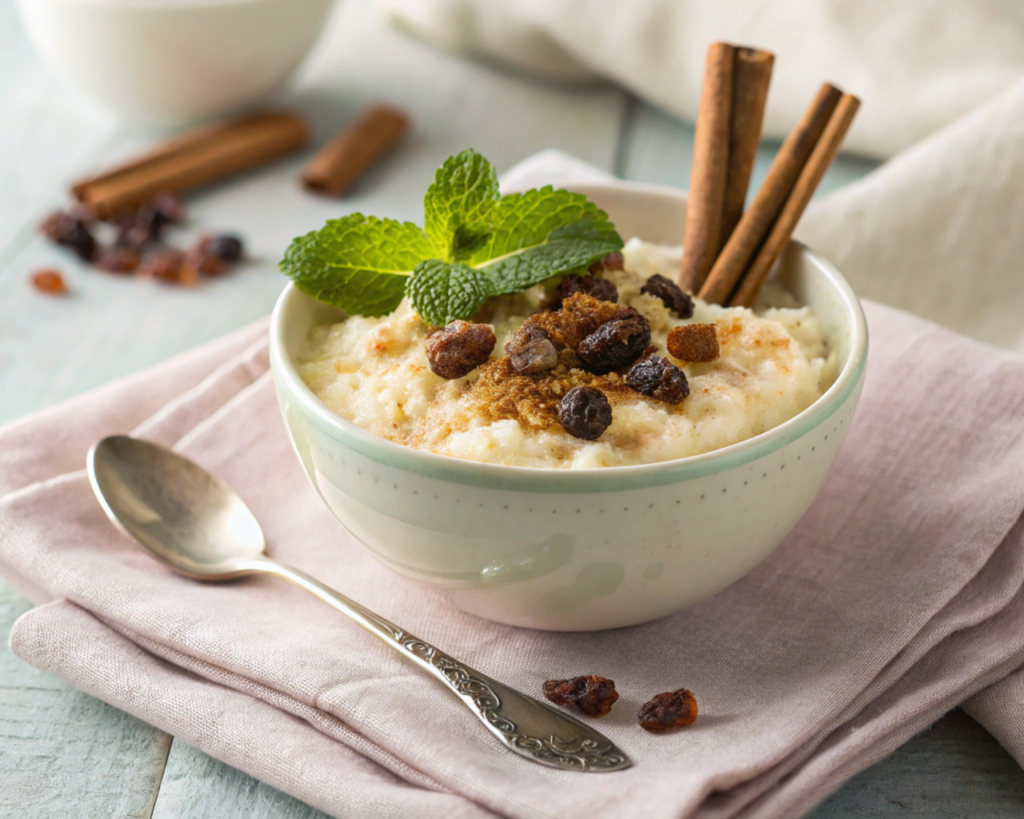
580 550
170 62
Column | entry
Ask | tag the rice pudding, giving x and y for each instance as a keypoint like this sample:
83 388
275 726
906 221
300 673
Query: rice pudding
773 361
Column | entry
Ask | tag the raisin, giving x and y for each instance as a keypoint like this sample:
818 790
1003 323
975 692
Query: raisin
118 259
674 709
593 695
66 230
615 344
166 265
670 294
585 413
613 261
601 289
693 342
531 350
224 246
459 348
659 378
49 281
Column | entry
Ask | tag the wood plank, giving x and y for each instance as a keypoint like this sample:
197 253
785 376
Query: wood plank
198 786
64 753
954 769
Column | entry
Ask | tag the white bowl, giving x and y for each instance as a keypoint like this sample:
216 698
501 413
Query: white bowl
580 549
170 62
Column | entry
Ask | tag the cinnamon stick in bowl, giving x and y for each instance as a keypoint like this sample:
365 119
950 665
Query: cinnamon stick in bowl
752 73
755 224
727 136
352 152
196 158
702 232
821 158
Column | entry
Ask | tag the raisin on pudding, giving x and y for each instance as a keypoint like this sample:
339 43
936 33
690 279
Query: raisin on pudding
459 348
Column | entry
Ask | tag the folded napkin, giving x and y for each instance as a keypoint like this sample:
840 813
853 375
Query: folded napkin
918 64
897 597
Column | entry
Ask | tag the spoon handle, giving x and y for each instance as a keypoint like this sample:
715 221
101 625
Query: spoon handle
524 725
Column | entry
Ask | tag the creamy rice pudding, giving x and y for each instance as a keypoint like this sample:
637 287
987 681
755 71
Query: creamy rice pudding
773 361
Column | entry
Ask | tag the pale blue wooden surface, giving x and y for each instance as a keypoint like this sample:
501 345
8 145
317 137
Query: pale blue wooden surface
63 753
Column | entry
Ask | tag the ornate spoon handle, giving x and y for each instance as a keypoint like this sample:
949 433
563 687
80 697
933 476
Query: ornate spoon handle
522 724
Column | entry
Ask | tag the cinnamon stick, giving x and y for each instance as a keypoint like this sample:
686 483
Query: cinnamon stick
702 235
755 224
818 163
194 159
752 73
352 152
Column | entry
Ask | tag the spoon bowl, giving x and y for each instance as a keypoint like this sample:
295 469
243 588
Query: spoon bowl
179 512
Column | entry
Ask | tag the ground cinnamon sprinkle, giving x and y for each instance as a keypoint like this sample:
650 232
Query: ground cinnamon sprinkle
500 393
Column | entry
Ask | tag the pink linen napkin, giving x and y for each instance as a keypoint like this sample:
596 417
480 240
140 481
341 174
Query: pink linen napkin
897 597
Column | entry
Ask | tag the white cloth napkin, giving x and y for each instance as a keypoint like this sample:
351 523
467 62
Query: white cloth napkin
917 64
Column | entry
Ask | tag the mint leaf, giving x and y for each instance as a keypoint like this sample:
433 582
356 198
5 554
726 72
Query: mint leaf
358 263
458 206
444 291
524 220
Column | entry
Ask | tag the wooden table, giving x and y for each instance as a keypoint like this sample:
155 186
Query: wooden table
65 753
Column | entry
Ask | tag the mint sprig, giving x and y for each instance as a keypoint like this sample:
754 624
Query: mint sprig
475 244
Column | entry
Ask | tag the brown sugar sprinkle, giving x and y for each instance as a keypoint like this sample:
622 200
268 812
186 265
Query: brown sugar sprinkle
593 695
49 281
501 393
579 316
693 342
673 709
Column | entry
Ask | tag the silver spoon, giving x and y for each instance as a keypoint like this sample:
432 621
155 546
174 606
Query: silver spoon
195 523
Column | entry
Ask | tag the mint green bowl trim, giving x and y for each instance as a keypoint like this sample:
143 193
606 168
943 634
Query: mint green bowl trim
312 411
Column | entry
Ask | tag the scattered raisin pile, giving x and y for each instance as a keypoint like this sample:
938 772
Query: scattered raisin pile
571 361
593 695
136 245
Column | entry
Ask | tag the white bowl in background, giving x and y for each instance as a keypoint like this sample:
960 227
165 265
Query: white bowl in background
171 62
580 549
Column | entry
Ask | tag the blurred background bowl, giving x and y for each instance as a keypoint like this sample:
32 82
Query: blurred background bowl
171 62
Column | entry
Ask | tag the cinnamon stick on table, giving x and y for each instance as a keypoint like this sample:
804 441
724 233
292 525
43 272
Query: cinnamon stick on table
194 159
352 152
810 177
756 223
702 232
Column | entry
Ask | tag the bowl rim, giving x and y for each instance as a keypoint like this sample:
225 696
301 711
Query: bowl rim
588 479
